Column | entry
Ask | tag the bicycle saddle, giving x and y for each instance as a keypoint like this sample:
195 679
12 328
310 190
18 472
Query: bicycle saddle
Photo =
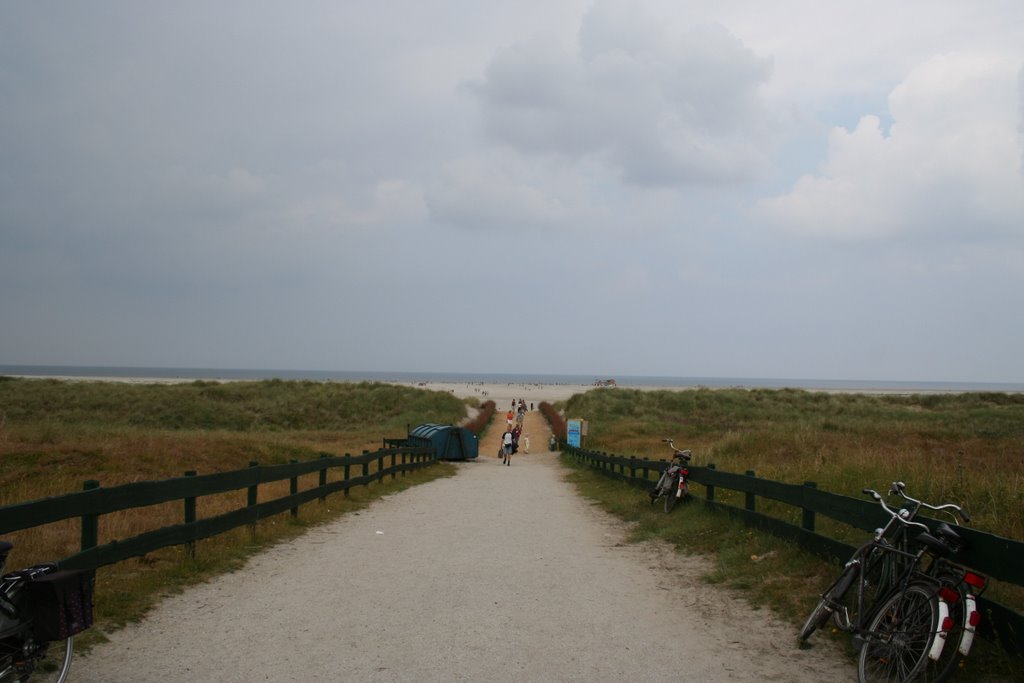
944 543
950 536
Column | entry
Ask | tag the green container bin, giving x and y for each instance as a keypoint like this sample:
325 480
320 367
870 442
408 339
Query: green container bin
450 443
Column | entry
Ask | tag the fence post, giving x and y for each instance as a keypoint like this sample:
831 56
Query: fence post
190 516
710 487
323 481
348 467
251 496
380 466
293 488
393 473
90 523
632 468
750 496
366 468
405 460
808 521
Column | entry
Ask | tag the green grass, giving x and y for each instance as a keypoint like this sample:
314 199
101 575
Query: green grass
54 435
765 571
272 405
964 448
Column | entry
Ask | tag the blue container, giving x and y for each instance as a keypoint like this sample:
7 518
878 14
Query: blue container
450 443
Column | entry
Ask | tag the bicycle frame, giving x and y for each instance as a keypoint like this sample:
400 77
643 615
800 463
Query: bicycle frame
893 580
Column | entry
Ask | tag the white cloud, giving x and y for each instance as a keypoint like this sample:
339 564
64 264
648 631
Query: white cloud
949 167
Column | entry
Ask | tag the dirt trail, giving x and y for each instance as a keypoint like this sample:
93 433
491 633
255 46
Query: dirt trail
496 574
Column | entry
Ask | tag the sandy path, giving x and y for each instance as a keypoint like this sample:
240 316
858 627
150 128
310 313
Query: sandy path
497 574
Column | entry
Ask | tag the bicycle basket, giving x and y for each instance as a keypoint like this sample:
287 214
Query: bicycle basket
61 604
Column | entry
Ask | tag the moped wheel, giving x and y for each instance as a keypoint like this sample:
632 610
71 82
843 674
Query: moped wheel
900 636
658 490
670 499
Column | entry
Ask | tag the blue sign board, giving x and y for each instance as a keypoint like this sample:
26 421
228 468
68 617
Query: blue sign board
573 428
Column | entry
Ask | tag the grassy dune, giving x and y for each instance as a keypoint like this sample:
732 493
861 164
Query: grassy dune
54 435
964 448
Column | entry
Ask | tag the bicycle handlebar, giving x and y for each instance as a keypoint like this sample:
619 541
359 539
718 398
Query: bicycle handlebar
686 454
893 513
898 487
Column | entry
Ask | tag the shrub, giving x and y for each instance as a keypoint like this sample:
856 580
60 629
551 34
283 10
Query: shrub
483 418
554 419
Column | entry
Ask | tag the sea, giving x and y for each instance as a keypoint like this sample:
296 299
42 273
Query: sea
234 374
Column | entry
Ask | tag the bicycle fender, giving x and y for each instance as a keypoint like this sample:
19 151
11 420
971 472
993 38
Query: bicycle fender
939 641
967 638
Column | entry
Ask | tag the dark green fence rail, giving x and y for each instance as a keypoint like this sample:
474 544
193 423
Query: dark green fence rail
993 556
90 504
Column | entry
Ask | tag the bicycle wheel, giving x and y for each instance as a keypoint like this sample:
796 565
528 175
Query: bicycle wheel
55 664
877 569
830 599
899 637
872 579
49 664
819 616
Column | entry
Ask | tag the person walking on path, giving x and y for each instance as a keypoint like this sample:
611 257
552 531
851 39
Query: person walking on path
506 447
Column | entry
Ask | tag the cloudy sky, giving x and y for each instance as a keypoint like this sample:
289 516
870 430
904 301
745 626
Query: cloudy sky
795 188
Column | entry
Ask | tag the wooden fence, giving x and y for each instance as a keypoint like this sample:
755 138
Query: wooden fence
993 556
94 501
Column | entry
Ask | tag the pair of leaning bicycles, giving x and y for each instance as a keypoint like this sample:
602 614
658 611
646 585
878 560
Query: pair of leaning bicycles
911 609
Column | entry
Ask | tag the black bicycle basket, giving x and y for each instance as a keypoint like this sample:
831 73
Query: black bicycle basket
61 604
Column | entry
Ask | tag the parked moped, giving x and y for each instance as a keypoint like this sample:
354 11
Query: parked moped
674 484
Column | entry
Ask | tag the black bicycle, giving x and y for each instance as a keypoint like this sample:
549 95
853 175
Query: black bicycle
960 587
41 610
895 599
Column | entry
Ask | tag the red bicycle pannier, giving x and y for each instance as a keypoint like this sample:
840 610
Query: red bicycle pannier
61 604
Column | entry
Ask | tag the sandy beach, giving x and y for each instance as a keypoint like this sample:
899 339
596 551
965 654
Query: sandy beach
504 394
